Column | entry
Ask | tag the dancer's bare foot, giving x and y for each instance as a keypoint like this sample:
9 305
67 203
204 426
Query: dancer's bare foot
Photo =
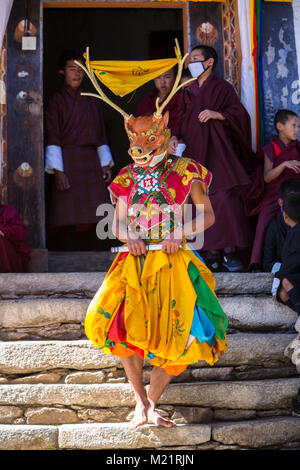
140 415
155 418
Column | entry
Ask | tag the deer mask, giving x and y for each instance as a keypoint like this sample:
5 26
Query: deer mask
149 136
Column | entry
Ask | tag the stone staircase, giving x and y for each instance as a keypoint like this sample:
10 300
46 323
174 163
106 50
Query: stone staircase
57 391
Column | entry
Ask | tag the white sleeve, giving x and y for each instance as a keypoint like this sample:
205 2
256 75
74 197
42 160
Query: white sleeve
105 156
54 160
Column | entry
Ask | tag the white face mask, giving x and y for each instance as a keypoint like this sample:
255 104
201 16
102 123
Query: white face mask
196 68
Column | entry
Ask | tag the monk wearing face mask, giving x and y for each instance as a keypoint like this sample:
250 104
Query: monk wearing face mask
163 85
215 128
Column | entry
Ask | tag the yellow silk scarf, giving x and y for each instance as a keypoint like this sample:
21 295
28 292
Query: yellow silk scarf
122 77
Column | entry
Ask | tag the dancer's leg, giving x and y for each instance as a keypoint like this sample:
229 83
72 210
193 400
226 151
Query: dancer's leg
133 366
158 383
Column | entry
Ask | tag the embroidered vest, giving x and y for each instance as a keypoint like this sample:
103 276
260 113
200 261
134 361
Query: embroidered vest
154 196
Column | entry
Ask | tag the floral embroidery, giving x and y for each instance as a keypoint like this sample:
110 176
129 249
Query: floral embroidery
123 180
148 183
177 328
188 177
102 312
139 71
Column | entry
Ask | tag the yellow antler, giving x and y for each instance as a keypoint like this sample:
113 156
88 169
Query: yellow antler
175 88
101 94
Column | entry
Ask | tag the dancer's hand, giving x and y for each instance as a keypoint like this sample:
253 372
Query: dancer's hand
2 234
172 243
136 246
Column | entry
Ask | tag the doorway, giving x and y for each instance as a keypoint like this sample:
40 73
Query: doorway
113 32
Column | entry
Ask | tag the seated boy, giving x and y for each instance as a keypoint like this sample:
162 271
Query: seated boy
289 272
14 251
281 162
277 229
289 275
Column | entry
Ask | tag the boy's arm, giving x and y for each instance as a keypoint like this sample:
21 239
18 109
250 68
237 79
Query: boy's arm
53 154
270 173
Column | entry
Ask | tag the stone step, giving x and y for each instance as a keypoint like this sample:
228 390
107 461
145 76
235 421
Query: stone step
271 433
244 313
87 283
79 261
242 395
29 357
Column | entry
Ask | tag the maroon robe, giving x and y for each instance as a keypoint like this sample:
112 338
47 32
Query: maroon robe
14 251
224 148
147 107
267 194
75 123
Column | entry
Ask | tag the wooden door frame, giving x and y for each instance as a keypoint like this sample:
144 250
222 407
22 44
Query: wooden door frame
183 6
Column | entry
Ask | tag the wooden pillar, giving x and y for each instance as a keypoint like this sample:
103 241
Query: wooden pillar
25 155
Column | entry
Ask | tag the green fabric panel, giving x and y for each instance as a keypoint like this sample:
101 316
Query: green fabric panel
208 302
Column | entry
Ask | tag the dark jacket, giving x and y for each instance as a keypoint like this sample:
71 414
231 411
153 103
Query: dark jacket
274 241
290 254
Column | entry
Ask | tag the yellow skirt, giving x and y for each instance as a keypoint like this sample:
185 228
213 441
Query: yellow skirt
166 311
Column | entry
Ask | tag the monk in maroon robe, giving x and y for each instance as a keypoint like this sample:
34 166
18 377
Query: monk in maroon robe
75 137
216 130
163 85
280 161
14 251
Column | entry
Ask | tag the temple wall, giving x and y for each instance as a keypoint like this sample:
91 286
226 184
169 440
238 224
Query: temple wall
213 23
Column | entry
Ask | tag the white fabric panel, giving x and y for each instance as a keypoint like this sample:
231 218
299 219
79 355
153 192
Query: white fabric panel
247 72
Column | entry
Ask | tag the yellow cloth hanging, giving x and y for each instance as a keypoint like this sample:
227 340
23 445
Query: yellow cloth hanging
122 77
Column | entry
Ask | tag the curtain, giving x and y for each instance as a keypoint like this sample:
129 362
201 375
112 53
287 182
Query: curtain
5 12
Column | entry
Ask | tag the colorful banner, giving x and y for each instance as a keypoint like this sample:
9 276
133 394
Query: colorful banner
250 18
218 1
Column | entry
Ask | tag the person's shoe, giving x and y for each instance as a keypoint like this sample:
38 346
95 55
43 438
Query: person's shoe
232 262
213 265
213 261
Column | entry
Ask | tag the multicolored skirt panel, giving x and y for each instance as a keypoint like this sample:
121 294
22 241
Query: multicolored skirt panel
165 310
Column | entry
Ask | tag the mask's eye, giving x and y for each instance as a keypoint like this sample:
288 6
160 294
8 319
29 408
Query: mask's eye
152 138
